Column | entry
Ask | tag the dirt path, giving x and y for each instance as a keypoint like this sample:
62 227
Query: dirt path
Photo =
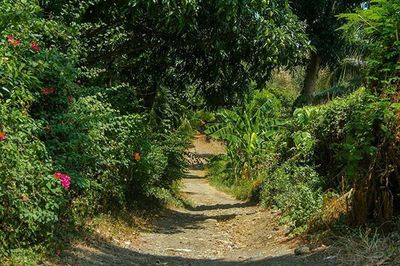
214 230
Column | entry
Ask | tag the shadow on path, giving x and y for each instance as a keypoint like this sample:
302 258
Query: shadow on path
109 254
173 222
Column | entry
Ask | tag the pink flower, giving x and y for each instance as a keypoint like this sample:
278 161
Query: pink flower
3 136
57 175
35 46
65 180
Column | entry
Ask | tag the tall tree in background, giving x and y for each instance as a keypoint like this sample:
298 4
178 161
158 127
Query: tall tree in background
217 47
322 29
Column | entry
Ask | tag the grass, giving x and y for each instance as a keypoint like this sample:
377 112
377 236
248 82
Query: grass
241 189
368 247
25 257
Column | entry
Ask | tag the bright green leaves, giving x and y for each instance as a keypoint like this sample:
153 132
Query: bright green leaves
248 132
30 198
377 31
24 67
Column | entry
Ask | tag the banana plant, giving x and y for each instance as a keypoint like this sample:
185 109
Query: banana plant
246 131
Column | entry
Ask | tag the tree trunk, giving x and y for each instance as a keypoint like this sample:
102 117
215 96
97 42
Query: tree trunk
310 77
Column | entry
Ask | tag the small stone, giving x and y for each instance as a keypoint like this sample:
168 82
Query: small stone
211 221
303 250
332 257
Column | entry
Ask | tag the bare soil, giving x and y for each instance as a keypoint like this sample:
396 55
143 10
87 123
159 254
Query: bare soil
214 229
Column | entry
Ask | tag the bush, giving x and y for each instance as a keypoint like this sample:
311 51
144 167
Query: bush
338 147
107 152
294 189
120 161
249 132
30 197
354 139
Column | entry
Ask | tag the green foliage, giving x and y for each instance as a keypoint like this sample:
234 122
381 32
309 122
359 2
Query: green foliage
213 47
254 135
346 131
342 139
316 149
30 197
296 190
247 132
24 71
219 176
106 93
322 25
116 155
378 33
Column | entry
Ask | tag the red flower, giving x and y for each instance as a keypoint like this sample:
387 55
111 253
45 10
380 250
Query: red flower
78 81
137 156
71 99
48 91
35 46
3 136
12 41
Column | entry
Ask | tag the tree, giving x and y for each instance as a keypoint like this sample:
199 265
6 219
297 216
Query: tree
218 47
377 29
322 24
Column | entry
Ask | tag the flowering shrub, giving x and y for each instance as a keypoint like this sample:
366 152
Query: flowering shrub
111 172
69 150
30 198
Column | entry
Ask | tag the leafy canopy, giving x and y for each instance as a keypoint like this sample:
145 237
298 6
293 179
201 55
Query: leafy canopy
216 46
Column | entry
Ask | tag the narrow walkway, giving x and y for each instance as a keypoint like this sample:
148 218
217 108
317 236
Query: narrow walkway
214 230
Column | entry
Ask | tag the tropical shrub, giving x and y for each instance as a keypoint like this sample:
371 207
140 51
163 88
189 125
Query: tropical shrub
30 197
377 32
296 190
33 192
70 151
356 140
248 132
335 147
348 142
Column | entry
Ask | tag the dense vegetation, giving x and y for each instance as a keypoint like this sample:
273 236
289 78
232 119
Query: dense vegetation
98 101
329 161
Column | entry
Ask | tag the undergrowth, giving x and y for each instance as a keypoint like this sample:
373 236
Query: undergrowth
367 247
